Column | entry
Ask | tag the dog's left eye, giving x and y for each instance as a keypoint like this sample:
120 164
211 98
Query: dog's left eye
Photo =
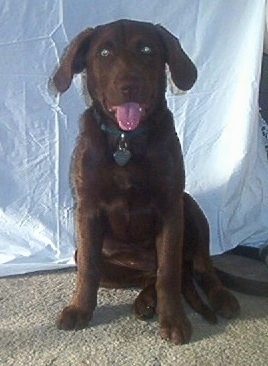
104 52
147 50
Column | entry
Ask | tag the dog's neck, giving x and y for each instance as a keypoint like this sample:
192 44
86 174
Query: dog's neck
122 154
115 131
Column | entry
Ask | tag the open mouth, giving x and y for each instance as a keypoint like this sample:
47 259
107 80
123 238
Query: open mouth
128 115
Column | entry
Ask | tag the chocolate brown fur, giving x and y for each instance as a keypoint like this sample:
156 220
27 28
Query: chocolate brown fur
134 224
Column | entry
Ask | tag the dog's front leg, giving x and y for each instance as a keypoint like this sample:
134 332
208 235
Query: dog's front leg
174 325
89 242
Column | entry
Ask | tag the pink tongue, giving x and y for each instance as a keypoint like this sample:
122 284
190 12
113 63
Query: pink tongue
128 116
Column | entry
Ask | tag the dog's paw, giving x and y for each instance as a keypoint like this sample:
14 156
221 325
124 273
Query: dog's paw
73 318
145 303
178 330
224 303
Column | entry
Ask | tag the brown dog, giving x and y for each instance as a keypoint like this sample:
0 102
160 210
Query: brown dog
128 179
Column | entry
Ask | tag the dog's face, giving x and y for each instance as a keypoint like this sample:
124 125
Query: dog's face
125 63
126 71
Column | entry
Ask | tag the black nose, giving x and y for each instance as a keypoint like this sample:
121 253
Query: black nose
130 84
129 89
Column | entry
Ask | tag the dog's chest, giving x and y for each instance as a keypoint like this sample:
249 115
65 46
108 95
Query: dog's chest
131 213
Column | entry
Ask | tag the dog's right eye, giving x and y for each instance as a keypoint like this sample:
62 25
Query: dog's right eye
147 50
104 52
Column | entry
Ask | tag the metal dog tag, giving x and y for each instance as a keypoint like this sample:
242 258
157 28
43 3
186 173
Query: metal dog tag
122 154
122 157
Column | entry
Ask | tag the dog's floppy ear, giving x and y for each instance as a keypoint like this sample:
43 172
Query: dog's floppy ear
182 69
73 61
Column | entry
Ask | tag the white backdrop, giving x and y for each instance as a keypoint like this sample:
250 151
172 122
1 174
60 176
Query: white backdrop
217 120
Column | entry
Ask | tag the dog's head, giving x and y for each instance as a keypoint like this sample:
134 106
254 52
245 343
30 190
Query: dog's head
125 64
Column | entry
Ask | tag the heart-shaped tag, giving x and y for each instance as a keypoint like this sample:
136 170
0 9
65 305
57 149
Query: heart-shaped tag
122 156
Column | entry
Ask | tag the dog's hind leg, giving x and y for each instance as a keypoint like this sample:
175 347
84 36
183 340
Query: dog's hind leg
192 297
220 298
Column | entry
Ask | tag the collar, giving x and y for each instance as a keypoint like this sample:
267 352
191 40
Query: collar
122 154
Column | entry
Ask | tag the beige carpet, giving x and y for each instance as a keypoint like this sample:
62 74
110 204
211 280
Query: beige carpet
28 336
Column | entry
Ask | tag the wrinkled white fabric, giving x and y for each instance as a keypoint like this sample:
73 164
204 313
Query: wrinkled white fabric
266 30
217 121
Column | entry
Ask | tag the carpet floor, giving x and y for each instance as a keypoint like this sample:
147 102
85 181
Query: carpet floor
29 305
